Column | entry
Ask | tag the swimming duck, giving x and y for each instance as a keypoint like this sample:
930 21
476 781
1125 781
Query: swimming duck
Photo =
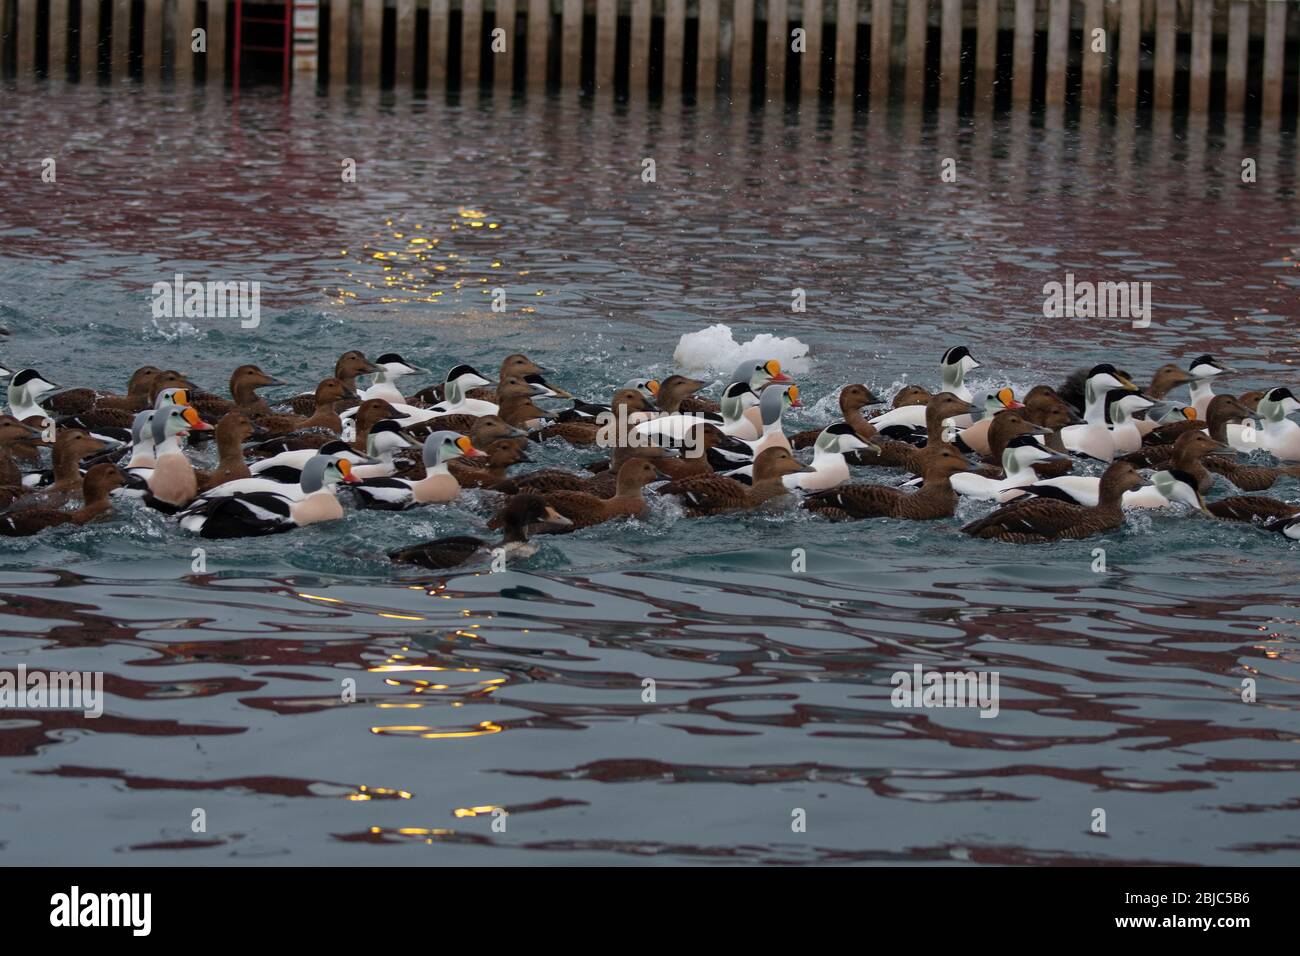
900 452
244 383
437 486
1203 370
13 433
522 515
626 403
714 494
501 455
1019 455
585 510
26 390
771 406
1253 508
975 437
1094 438
935 499
1120 406
828 465
265 512
389 367
456 402
1279 436
738 399
99 481
512 366
1166 379
173 482
1287 526
75 401
325 416
232 431
1038 520
71 445
1223 410
588 411
350 365
853 398
674 390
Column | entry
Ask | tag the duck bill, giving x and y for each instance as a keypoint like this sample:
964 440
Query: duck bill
195 423
555 520
559 392
467 448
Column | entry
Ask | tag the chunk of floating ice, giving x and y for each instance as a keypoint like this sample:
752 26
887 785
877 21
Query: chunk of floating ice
717 350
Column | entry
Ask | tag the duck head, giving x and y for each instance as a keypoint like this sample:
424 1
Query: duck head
100 481
490 428
1023 450
175 421
246 379
337 448
390 366
995 402
649 387
332 390
351 364
172 395
736 399
441 447
911 395
854 397
838 438
1277 404
322 471
1167 378
776 463
520 365
1122 403
954 365
12 432
1207 366
758 375
530 514
26 389
1179 486
386 437
544 389
460 380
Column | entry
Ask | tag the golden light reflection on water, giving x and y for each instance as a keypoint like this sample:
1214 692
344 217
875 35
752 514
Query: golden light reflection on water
430 733
403 264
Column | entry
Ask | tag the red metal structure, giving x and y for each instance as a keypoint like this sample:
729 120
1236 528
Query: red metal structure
285 49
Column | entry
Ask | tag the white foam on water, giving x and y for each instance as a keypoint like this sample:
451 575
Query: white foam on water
716 349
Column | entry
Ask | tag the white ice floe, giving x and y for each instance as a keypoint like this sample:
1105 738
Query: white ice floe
716 349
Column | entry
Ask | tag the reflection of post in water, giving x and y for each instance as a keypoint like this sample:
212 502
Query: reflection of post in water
950 56
1095 61
1126 86
986 57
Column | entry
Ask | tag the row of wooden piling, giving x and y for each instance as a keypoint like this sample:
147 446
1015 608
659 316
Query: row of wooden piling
888 48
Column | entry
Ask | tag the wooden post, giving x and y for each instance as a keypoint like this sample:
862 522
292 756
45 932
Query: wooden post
986 54
778 32
638 63
674 44
810 64
950 54
882 30
216 55
372 36
471 43
539 31
1166 50
570 43
120 38
1274 51
846 47
706 61
25 40
1022 53
1058 47
152 40
503 64
742 46
1130 33
1238 39
186 21
1094 64
58 50
89 42
339 43
606 44
404 50
1202 58
917 17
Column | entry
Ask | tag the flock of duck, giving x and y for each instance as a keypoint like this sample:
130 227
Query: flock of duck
280 467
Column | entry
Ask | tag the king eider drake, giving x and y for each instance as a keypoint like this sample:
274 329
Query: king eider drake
522 516
438 484
265 512
173 482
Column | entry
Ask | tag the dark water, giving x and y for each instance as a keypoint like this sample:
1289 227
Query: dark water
524 690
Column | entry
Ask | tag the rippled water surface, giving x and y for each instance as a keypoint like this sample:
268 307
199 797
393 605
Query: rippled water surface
526 690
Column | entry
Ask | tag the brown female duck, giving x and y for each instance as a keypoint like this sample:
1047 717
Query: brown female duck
70 446
1034 520
1252 508
853 398
585 510
76 401
244 383
350 365
325 416
714 494
502 454
13 433
935 499
625 403
1222 411
99 482
523 515
232 431
895 453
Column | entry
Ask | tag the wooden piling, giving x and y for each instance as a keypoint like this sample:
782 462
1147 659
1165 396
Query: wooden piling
471 43
152 41
25 39
372 35
1094 63
216 55
1238 41
1130 33
1022 52
706 61
846 48
778 33
182 37
638 63
882 12
1274 52
119 38
810 63
1198 90
503 63
404 51
742 46
986 54
1166 50
1058 39
606 45
539 27
58 43
917 26
570 43
674 45
950 54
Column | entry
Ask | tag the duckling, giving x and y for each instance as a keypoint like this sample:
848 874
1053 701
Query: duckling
715 494
828 465
265 512
1203 370
232 431
523 515
853 398
328 394
173 482
936 499
1279 436
1019 454
437 486
585 510
98 483
244 383
350 365
1045 519
389 367
71 445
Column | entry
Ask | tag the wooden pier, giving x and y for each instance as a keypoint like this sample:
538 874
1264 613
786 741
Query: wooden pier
1235 56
